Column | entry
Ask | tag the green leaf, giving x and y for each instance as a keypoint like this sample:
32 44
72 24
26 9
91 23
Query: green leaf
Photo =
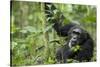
75 48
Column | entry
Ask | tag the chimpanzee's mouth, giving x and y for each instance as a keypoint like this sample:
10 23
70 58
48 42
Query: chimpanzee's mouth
73 43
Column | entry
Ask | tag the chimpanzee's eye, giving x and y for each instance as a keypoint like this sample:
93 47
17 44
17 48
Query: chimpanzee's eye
78 33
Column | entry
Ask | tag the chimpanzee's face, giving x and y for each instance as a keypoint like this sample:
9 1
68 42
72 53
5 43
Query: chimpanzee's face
75 36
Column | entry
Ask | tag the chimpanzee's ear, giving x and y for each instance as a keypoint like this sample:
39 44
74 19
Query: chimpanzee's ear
84 34
69 32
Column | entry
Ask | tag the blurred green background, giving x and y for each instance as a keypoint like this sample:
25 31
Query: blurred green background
32 38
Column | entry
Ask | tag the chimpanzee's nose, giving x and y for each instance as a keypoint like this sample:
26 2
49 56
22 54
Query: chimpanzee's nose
74 39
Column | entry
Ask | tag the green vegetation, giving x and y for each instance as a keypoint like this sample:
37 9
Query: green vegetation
34 41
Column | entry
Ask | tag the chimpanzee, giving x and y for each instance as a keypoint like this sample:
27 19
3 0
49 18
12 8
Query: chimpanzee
79 44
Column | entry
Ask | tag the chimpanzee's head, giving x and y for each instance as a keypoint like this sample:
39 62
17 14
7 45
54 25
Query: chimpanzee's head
76 36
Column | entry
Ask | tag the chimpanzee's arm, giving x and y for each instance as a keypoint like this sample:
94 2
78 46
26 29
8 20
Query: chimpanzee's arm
62 30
